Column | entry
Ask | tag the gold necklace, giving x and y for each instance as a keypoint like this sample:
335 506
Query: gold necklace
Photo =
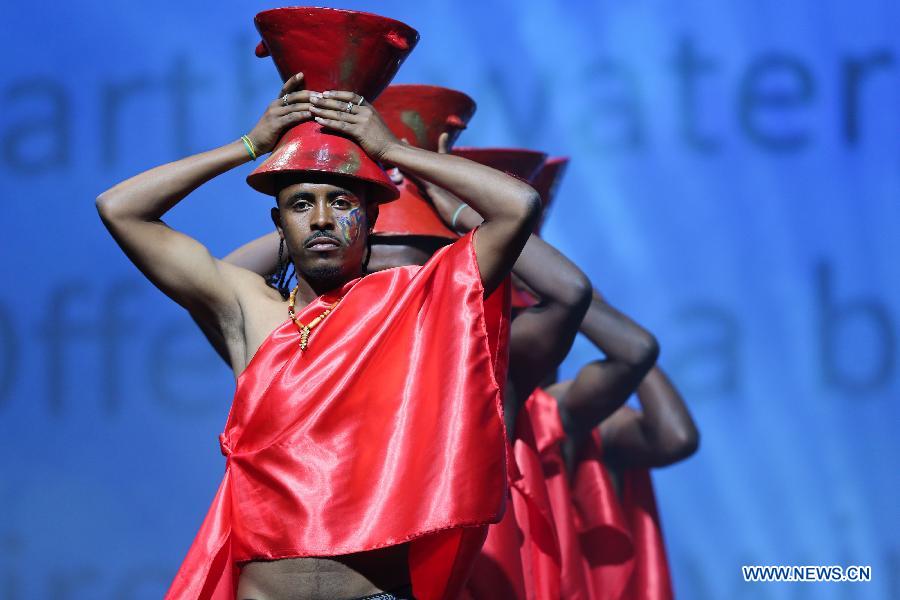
306 329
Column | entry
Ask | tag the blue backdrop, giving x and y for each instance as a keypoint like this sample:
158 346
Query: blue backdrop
734 186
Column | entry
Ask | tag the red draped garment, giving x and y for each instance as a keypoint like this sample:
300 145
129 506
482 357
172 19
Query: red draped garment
650 577
549 434
612 548
387 429
520 558
633 564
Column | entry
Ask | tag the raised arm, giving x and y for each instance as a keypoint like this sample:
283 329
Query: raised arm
662 433
176 263
541 336
602 386
509 207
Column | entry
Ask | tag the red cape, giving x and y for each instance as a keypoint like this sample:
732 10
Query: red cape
520 558
604 534
611 549
549 434
650 578
623 553
387 429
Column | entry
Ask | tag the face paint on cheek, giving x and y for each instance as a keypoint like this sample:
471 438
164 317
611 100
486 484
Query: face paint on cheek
349 225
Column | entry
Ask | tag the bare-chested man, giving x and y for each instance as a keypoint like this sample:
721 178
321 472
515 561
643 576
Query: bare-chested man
324 221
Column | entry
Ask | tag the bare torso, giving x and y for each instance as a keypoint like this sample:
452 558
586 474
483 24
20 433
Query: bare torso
334 578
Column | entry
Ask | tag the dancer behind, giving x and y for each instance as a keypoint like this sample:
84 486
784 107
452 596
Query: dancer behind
631 351
602 386
623 554
521 556
304 478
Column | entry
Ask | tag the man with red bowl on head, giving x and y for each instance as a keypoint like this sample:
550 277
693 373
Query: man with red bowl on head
365 445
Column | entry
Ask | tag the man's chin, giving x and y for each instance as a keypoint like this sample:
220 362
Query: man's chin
323 268
322 273
328 267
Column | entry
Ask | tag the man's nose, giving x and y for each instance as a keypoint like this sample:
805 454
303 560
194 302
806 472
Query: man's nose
322 217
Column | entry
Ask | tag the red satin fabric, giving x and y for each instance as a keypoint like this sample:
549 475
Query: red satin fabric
549 435
650 579
604 533
623 552
386 429
520 558
497 571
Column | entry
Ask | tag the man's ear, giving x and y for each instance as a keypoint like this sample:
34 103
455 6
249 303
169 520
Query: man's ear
276 219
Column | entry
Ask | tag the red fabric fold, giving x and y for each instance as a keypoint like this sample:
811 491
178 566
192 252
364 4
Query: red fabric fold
520 558
604 533
651 579
498 572
387 429
624 556
549 434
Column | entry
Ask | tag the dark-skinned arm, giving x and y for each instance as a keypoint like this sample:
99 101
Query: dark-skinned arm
177 264
661 433
602 386
510 207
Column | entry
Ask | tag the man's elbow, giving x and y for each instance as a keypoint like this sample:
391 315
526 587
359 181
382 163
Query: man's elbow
528 207
644 351
577 292
679 445
649 349
687 443
106 206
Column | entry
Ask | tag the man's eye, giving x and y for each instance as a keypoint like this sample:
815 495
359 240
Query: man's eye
341 203
301 206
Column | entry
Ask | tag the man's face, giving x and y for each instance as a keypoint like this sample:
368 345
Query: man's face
325 228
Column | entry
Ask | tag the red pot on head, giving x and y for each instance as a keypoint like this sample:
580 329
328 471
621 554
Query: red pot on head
546 181
518 162
335 50
420 114
411 214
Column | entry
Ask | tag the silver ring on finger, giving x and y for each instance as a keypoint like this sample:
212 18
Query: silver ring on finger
349 108
284 100
361 100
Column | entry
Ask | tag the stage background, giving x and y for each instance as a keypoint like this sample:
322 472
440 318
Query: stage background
734 186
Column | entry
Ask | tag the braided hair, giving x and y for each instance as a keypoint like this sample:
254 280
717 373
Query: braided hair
284 273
